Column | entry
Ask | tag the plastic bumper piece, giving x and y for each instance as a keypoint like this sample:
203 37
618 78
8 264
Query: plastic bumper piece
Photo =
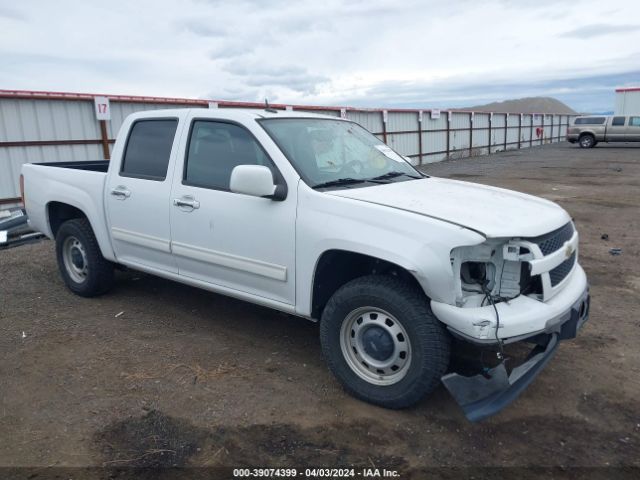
484 395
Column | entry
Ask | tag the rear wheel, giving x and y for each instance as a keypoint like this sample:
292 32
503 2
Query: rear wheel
382 342
83 268
587 141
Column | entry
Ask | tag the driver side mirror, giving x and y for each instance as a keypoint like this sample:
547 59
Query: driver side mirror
257 181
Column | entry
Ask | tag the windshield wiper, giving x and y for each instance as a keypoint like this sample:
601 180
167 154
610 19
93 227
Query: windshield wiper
390 175
351 181
340 182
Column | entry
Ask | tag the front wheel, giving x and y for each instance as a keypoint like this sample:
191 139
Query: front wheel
83 268
382 342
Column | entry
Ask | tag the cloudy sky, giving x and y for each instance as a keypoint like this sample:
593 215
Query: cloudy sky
409 53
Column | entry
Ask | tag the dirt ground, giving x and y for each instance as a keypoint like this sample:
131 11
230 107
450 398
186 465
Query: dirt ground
159 374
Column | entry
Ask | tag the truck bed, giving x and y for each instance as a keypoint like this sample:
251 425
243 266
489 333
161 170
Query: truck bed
91 165
79 184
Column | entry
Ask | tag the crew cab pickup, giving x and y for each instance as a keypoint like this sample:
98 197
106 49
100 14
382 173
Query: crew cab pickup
588 131
315 216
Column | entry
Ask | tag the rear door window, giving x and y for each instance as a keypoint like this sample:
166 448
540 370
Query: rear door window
618 121
590 120
148 149
634 121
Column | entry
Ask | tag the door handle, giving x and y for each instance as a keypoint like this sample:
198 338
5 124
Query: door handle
120 192
186 202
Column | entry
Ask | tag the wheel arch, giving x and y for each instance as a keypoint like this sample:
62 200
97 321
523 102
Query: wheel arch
587 132
58 212
336 267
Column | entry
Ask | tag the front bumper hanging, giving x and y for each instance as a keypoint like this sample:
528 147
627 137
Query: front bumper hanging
486 394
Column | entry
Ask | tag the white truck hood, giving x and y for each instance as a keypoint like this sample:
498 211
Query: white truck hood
492 211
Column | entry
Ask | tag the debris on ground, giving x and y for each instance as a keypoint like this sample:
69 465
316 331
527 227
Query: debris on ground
615 251
605 236
14 229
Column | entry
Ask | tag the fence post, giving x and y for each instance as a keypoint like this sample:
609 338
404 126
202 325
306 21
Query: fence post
448 133
506 123
490 124
470 134
533 115
419 137
542 136
384 125
520 132
104 140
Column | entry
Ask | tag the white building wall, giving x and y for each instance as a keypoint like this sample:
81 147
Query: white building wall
628 102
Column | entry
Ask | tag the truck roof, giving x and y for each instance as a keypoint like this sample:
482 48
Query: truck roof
231 113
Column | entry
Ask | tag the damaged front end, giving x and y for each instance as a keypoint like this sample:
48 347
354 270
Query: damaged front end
492 389
492 272
511 292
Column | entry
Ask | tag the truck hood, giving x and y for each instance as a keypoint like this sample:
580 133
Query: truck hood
491 211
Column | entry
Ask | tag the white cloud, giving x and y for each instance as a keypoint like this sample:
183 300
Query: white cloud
360 51
599 29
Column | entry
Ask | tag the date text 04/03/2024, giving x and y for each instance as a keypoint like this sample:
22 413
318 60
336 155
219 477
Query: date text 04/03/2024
315 473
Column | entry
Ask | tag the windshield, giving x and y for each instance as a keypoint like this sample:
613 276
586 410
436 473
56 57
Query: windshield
332 153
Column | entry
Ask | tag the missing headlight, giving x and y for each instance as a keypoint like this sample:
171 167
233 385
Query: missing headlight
474 273
496 267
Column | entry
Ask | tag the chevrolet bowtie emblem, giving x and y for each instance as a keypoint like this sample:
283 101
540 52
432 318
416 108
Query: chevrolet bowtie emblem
568 251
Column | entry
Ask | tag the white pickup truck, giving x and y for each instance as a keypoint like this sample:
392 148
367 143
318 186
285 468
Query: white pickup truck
314 216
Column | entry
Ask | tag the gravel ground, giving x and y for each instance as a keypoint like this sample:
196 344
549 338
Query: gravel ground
157 374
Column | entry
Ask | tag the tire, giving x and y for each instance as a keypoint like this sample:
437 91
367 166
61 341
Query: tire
83 268
587 141
359 312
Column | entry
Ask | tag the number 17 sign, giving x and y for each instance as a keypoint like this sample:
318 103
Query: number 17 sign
103 112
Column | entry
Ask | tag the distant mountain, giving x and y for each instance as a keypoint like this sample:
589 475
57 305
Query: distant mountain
526 105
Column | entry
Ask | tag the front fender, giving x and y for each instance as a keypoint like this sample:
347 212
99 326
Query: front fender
419 244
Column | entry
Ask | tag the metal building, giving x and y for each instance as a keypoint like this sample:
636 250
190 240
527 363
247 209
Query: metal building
627 101
61 126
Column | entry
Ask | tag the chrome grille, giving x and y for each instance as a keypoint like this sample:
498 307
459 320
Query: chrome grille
552 241
561 271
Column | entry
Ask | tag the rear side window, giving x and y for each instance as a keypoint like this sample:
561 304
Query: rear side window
148 149
634 121
590 121
618 121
